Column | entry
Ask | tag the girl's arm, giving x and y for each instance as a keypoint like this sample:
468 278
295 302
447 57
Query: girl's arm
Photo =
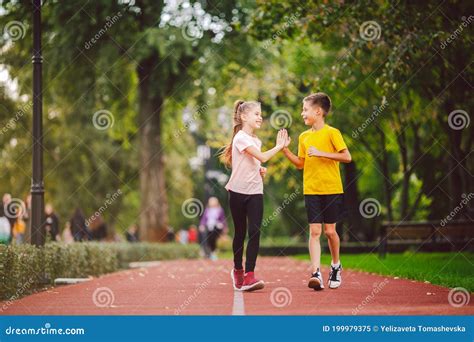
267 155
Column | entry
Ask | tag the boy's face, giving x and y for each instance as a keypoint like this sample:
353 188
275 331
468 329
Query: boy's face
310 113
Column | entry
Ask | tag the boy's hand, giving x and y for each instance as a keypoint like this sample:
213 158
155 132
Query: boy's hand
287 142
263 172
314 152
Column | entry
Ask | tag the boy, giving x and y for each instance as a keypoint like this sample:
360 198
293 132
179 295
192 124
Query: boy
320 149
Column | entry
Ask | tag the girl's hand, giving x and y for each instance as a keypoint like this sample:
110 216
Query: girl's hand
314 152
282 136
263 172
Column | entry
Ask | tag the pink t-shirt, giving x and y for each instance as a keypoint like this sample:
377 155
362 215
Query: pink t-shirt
245 177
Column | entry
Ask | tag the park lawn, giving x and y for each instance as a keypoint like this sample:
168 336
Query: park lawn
445 269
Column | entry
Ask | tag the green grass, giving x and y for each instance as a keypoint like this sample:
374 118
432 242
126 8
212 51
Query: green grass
445 269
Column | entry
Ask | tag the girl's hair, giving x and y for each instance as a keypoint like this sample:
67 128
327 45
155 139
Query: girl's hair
240 107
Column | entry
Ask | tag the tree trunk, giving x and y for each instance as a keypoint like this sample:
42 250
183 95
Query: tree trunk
386 175
351 197
404 200
458 178
154 203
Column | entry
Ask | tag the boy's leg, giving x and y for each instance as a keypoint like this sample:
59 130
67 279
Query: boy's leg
333 241
313 204
315 245
239 216
332 212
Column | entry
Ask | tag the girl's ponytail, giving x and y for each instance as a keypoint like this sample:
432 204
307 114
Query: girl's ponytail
226 154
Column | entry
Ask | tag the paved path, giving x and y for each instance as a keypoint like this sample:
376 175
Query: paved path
203 287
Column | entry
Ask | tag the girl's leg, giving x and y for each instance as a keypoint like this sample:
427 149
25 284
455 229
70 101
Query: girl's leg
315 245
239 216
255 214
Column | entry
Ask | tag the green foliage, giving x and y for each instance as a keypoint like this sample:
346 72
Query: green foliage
25 268
445 269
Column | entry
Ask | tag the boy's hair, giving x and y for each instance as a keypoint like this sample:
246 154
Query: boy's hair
319 99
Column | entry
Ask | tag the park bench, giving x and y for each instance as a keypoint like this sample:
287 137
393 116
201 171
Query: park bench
428 236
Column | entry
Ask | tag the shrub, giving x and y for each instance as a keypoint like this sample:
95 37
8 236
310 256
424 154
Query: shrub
25 268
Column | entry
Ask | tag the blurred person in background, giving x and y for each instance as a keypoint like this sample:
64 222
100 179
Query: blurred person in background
192 234
52 222
66 236
97 228
182 236
132 233
79 229
212 223
8 211
19 227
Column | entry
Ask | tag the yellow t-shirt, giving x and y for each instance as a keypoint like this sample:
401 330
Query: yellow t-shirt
321 176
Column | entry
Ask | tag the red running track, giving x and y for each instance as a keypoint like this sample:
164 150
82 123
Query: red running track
203 287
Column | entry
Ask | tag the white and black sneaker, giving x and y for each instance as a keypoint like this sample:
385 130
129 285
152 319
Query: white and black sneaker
316 281
335 278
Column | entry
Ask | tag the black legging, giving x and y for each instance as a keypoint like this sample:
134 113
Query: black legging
243 208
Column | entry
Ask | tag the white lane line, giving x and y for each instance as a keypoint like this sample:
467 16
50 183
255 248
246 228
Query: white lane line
238 308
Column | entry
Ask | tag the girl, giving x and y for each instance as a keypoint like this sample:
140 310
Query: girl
245 189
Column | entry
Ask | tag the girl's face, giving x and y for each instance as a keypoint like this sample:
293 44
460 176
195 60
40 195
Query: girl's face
253 117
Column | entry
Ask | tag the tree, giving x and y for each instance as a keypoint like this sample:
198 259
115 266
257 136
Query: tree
145 46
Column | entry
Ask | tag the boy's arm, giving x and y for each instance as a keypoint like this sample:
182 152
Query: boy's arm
294 159
342 156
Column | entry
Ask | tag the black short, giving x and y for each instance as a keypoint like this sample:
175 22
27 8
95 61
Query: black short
324 208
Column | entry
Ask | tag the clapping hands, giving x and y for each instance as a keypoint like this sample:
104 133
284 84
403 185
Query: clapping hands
283 139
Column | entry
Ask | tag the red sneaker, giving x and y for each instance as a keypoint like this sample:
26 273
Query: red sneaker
251 283
237 278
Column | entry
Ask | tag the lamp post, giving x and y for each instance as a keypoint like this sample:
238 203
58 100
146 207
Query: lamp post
37 187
